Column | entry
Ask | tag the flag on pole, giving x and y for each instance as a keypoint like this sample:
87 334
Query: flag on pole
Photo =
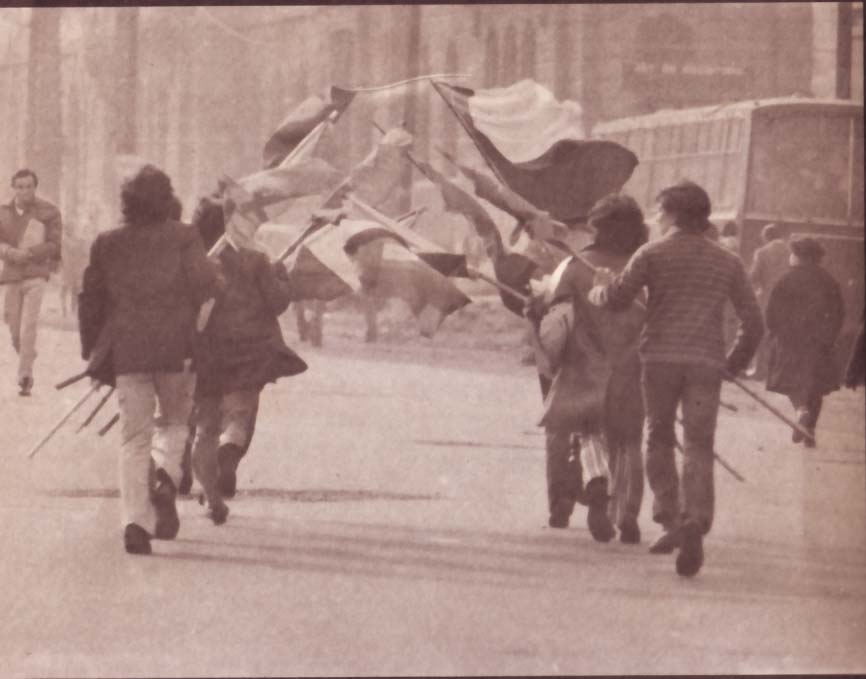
535 144
459 201
538 223
302 121
356 255
262 196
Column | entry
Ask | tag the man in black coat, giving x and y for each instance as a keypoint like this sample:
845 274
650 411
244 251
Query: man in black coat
141 293
804 315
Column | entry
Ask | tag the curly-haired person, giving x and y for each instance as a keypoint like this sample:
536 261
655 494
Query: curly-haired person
142 290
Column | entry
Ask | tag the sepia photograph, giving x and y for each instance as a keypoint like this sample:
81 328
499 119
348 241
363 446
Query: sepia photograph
431 339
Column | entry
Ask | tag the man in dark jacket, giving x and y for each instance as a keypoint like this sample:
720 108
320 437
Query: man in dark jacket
30 237
804 316
142 290
689 279
239 351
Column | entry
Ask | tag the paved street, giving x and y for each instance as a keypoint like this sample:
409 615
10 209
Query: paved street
391 519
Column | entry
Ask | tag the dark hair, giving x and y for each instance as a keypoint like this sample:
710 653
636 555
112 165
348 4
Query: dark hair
209 220
770 232
176 211
688 204
25 172
807 249
146 197
618 223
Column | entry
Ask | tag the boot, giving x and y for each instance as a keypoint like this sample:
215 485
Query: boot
163 498
597 519
229 457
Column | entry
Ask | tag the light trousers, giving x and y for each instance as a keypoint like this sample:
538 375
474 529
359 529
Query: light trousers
154 414
21 312
221 420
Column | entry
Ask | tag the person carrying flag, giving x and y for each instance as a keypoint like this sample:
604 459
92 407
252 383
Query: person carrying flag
689 279
143 286
593 414
238 352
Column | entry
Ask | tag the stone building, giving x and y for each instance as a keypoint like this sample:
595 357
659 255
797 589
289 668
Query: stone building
213 82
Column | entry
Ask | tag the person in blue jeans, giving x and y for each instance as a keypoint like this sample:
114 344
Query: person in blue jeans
688 279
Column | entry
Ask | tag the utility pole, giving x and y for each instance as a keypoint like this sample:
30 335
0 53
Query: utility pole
44 122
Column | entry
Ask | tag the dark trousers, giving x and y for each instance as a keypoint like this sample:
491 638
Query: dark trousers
697 388
564 473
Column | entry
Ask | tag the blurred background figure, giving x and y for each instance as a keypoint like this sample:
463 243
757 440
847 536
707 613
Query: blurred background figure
804 316
769 264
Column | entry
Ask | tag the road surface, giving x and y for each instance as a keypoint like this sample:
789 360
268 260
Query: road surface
391 519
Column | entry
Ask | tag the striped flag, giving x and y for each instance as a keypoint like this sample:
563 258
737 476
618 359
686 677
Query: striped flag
262 196
536 145
301 122
356 255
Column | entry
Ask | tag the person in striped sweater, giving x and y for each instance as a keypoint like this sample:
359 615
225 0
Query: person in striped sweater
688 280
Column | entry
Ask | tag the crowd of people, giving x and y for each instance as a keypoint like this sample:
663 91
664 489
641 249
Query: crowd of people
626 333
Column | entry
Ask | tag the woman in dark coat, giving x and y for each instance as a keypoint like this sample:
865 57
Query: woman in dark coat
804 315
239 351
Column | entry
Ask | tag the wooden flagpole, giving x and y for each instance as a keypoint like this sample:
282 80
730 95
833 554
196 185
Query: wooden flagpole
388 222
69 413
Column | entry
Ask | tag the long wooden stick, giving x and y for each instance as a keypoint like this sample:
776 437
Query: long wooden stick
98 407
71 380
390 223
69 413
796 426
108 425
733 472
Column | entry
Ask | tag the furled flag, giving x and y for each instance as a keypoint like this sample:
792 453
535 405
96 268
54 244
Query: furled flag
259 197
535 144
312 112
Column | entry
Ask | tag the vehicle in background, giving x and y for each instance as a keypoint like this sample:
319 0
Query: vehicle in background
793 161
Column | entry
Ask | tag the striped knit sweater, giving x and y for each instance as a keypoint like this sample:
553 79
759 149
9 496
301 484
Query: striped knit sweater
689 278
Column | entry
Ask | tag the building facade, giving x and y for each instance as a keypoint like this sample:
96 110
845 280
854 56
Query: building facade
211 83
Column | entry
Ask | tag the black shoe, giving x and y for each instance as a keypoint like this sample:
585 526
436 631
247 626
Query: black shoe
810 441
560 513
597 519
163 498
629 532
229 457
136 540
557 520
25 386
691 556
667 543
219 514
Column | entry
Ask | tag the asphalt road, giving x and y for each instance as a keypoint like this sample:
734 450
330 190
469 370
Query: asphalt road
391 519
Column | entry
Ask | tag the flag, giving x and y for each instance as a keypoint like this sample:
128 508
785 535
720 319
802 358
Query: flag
459 201
356 255
538 223
301 122
378 179
260 197
535 144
